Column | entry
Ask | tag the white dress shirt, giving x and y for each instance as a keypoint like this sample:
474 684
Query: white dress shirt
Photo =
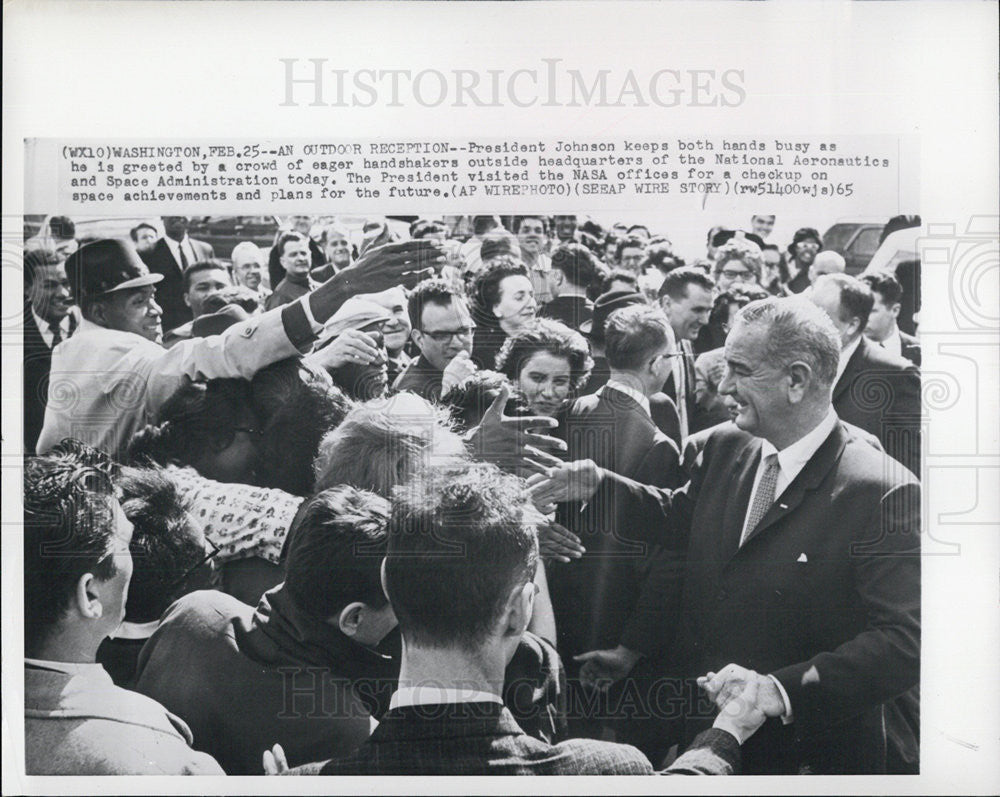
637 396
791 459
46 331
894 343
845 355
175 247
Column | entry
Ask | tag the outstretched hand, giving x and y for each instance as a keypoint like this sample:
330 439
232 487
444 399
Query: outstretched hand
403 263
602 668
510 442
567 481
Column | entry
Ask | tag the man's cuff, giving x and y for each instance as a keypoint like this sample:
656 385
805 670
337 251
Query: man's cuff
314 325
786 718
298 326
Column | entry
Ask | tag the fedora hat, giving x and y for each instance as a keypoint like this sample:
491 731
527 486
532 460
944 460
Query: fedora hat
106 266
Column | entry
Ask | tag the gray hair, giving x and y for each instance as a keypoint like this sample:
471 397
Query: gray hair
383 443
797 331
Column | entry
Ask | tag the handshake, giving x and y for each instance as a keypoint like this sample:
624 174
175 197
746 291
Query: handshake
745 699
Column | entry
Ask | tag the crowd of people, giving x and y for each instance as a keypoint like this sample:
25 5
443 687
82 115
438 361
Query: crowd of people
515 495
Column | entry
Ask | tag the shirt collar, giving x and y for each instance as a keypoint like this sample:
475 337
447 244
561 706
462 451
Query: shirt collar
845 356
792 459
637 396
432 695
135 630
67 667
893 343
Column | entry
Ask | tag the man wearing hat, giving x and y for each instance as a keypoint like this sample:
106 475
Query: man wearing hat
803 249
111 378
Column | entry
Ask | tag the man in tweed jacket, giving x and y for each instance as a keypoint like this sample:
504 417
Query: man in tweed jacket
459 572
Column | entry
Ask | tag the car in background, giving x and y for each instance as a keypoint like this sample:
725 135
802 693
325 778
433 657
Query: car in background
224 232
856 241
91 228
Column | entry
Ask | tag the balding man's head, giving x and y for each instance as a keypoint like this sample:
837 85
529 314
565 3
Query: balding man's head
827 262
781 363
847 301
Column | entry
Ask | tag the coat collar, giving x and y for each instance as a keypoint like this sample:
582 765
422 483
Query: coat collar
851 370
808 479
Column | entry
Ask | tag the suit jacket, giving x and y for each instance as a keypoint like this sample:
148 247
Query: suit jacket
594 597
82 724
37 364
170 291
420 377
881 393
824 594
569 310
484 739
910 348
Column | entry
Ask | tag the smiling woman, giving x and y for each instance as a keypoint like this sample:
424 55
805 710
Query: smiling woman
547 362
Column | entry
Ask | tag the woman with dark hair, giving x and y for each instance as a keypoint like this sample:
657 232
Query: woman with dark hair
547 362
209 442
209 426
503 303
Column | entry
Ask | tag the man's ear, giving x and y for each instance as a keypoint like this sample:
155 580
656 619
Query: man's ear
350 618
385 589
98 313
187 301
520 604
87 600
895 309
800 376
418 337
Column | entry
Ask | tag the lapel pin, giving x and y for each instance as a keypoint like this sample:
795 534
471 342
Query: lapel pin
802 558
783 506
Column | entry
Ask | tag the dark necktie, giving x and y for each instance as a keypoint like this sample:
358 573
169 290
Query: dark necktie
184 260
56 333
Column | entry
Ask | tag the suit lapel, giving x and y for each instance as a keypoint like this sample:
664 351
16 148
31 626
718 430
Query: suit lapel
851 369
742 475
808 479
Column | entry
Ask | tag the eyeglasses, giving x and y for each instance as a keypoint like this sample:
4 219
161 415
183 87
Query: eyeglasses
665 356
446 335
213 551
735 275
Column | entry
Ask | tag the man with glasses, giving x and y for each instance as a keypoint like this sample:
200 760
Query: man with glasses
442 330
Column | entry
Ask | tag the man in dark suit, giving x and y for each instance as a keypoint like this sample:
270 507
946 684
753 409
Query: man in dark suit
459 573
442 329
171 257
802 555
594 597
574 267
686 298
876 390
48 320
883 327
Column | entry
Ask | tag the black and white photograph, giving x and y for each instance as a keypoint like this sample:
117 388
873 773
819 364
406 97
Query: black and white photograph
430 446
